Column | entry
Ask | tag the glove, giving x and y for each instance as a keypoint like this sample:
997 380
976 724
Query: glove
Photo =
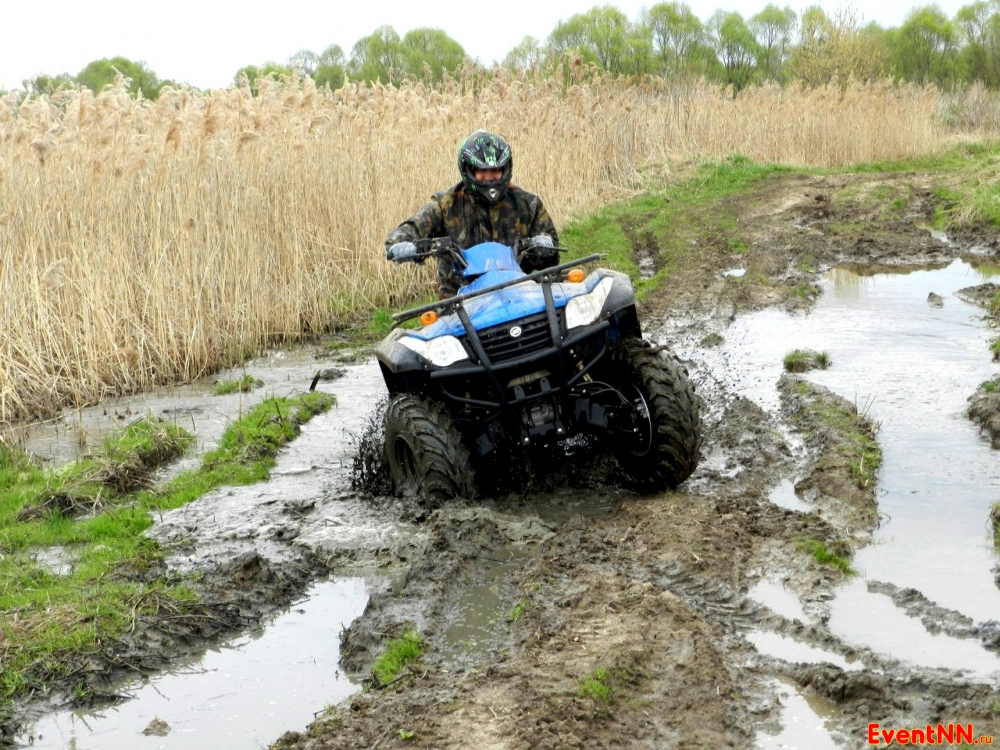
542 240
402 252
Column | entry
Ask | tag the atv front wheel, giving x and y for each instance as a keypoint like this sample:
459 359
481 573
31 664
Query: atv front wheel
658 441
425 453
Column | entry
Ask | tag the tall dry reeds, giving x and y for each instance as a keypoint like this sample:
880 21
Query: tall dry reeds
145 242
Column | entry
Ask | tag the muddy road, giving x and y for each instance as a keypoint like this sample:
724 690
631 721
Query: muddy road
828 566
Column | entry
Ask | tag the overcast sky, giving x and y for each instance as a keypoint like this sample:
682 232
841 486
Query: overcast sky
204 43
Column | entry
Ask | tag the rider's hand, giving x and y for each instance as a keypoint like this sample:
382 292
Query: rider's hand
402 252
542 240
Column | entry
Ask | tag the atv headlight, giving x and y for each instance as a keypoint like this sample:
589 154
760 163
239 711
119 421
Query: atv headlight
442 351
585 309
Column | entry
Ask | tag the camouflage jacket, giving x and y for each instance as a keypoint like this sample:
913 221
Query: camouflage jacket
518 215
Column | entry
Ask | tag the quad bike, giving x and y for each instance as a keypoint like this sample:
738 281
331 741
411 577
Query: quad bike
521 359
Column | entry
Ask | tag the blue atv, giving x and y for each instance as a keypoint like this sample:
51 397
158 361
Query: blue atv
516 360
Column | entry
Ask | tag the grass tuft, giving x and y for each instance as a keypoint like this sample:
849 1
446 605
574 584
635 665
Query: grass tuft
803 360
995 349
399 653
124 464
597 686
244 384
825 556
517 611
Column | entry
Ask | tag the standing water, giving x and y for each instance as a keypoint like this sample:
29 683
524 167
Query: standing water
243 695
246 692
910 366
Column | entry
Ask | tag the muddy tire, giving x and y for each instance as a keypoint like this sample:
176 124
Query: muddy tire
424 452
667 438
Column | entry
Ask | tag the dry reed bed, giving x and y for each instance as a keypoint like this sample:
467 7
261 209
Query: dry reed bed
147 242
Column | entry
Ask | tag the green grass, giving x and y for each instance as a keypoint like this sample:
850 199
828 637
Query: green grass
598 686
801 360
807 291
244 384
807 263
670 220
970 196
247 450
994 304
995 523
618 682
124 464
399 653
989 386
517 611
824 556
858 434
91 516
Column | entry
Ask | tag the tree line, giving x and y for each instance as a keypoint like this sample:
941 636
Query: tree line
668 39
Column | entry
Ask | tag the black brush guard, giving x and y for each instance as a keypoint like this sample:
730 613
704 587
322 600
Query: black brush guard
567 371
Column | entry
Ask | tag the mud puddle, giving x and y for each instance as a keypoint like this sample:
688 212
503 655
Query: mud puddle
778 598
308 504
193 406
305 520
785 496
242 694
908 353
808 722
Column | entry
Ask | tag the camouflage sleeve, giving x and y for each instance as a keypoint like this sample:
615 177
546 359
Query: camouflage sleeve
542 223
427 222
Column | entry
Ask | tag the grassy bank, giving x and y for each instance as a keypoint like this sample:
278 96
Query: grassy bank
77 575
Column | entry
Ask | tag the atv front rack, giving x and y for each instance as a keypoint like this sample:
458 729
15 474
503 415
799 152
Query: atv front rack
492 370
454 304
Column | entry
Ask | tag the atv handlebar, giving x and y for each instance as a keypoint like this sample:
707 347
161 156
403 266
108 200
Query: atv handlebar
436 247
451 303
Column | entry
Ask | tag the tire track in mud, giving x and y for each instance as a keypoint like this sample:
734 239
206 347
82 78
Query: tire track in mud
641 594
652 597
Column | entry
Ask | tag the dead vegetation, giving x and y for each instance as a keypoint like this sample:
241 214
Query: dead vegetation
146 242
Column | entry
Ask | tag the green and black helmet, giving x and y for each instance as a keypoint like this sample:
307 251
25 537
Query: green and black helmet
483 150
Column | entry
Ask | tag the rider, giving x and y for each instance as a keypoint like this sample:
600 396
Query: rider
483 207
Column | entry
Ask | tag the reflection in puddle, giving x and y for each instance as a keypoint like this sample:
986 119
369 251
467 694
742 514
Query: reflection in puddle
784 496
778 599
244 695
794 652
806 722
912 366
868 618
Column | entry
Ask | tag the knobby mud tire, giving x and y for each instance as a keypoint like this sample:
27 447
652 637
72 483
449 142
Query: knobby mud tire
425 453
675 415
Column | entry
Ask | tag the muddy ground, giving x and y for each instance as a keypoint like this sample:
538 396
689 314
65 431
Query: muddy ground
646 596
651 597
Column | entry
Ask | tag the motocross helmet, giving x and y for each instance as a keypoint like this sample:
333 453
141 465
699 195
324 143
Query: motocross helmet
483 150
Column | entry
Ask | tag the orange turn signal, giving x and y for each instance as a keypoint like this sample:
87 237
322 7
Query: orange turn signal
576 275
428 317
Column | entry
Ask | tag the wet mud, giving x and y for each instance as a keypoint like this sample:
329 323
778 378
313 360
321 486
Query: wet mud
564 610
670 602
